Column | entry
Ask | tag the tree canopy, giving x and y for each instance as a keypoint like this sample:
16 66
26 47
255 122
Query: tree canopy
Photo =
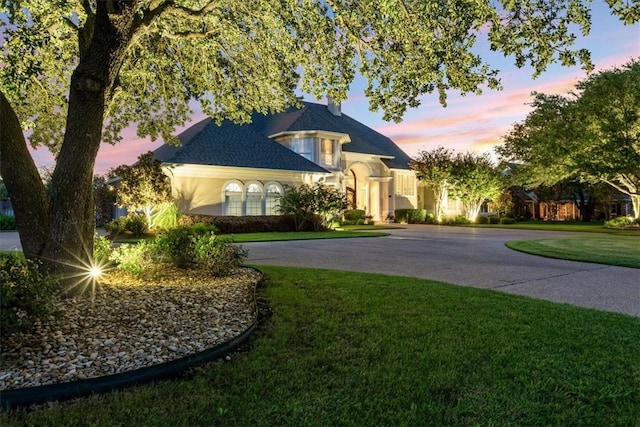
591 135
475 180
75 73
435 167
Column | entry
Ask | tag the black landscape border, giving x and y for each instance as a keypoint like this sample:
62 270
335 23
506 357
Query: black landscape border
21 397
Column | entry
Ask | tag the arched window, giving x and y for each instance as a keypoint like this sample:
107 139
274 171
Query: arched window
273 193
233 199
254 199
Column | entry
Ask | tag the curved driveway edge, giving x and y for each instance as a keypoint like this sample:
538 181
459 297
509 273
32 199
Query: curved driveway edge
466 256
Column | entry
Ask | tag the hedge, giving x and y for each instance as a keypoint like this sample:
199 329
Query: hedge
242 224
411 216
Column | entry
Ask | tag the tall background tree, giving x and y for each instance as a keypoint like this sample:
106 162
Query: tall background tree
591 135
475 180
75 73
435 168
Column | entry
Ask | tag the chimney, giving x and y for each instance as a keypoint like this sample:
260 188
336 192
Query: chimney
333 107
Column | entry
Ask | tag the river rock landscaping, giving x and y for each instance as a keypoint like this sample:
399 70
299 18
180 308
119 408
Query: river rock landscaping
126 323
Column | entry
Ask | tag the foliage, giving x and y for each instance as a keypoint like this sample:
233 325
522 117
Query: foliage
507 220
354 214
142 186
592 135
103 198
198 246
134 258
410 216
102 249
167 215
134 223
217 255
243 224
7 222
458 220
308 203
27 296
4 193
623 222
177 245
475 180
435 168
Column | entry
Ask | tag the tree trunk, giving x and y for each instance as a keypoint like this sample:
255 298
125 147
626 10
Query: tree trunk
28 196
58 228
69 246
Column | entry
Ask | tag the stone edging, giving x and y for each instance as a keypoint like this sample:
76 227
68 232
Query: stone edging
69 390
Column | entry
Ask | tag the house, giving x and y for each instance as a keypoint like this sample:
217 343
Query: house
233 169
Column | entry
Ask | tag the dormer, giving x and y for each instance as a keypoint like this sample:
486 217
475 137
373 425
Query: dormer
324 148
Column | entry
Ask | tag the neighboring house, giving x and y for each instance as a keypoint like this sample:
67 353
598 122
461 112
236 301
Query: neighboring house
234 169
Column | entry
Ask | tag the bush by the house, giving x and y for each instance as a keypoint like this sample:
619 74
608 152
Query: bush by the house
7 222
623 222
242 224
354 215
216 255
507 220
458 220
410 216
27 296
177 245
488 219
133 223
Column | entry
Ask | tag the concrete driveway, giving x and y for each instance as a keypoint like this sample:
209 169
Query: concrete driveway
474 257
463 256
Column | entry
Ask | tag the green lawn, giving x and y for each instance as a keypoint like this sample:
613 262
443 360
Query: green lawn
606 249
578 226
354 349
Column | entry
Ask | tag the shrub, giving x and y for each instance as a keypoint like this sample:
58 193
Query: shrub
411 216
167 216
102 249
242 224
495 219
27 296
458 220
482 219
507 220
114 227
623 222
134 258
354 215
217 256
7 222
177 245
135 223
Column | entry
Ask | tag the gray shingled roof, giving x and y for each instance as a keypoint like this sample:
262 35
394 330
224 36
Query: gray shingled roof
249 145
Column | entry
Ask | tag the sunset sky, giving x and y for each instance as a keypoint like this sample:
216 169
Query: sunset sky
470 123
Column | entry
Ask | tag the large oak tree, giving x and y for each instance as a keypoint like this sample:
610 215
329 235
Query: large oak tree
591 135
75 73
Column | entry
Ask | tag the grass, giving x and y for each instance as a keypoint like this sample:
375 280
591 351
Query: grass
578 226
612 250
355 349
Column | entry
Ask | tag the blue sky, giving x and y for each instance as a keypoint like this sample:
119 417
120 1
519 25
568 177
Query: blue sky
470 123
